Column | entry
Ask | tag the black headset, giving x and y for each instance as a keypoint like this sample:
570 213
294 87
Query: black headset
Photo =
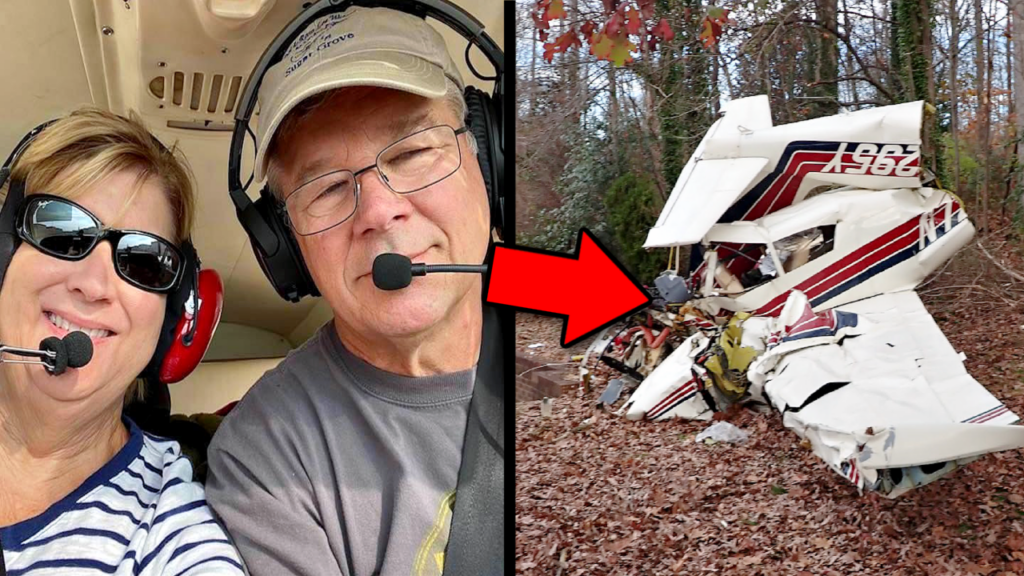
265 219
177 301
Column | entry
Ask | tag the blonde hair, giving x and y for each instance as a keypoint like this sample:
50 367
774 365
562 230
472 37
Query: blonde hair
78 151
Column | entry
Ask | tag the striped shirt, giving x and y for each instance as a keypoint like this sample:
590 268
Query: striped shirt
139 514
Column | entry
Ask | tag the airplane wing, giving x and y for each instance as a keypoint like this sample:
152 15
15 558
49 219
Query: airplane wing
893 407
715 174
721 182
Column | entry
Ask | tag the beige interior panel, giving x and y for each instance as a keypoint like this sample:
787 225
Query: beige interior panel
215 384
240 342
317 317
253 300
42 67
207 156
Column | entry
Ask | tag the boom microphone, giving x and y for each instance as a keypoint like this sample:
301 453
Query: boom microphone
73 351
395 271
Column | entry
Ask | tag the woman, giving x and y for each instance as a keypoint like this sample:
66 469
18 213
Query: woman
81 487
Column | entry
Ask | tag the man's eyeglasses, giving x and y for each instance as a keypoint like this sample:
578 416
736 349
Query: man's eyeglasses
60 228
413 163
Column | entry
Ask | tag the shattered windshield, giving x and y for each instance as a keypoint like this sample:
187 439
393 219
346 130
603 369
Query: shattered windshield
742 267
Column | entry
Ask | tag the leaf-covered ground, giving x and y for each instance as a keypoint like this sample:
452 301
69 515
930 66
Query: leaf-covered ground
621 497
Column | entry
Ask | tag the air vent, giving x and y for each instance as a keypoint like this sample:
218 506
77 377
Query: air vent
207 94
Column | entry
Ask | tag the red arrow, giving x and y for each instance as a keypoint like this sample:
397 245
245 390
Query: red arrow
590 288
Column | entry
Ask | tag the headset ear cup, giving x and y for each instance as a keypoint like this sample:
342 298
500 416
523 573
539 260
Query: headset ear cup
478 108
9 240
175 309
190 344
284 267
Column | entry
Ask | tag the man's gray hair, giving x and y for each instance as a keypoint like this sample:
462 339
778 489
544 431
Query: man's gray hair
453 98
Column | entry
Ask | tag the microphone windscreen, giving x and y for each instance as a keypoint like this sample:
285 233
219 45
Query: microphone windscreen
59 363
79 349
392 271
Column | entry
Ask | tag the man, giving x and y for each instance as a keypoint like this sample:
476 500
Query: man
344 459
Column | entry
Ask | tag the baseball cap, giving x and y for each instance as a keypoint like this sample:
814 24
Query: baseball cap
358 47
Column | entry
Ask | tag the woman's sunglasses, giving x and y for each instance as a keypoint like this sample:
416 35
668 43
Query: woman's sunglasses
60 228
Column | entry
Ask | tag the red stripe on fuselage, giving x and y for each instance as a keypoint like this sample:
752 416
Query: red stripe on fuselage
878 249
886 245
996 414
784 188
683 390
782 192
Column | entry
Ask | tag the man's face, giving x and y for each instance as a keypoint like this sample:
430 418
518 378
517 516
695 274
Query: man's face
447 222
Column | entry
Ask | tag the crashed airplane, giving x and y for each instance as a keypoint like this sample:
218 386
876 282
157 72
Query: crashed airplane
808 240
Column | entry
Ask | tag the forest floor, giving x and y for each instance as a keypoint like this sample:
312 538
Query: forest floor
622 497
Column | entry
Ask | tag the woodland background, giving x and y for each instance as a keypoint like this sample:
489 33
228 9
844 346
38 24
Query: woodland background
601 139
612 98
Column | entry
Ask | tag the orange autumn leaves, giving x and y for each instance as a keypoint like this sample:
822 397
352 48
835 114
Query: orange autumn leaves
711 27
619 30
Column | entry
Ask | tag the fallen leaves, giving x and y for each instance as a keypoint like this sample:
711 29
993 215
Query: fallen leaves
625 497
617 546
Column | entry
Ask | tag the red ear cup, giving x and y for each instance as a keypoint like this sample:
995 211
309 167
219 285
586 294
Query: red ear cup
184 354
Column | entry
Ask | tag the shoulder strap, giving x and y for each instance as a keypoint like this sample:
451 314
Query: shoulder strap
476 543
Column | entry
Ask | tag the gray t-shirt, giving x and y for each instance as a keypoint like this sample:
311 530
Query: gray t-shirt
330 465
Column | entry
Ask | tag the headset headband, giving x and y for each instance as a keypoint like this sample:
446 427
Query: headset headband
5 171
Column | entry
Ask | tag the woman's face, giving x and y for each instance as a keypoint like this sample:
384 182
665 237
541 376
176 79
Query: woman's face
43 296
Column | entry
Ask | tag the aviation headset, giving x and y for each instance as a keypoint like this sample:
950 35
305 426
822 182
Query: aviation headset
193 309
265 219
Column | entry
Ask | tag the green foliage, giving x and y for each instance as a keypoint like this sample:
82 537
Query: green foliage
633 207
581 186
1015 199
687 115
821 63
619 211
910 66
969 166
909 62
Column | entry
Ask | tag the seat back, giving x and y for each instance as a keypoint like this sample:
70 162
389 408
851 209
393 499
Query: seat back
215 384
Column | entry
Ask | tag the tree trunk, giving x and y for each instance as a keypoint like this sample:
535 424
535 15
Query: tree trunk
650 113
926 49
1017 14
850 64
613 116
954 56
987 145
1011 112
715 57
532 92
982 112
728 77
574 90
826 90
